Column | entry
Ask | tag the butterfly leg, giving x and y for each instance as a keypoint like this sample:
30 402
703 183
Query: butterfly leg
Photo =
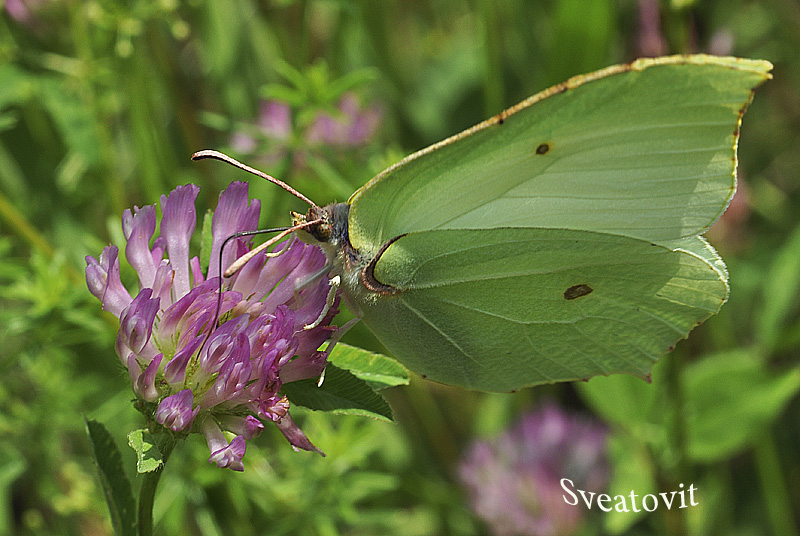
335 281
344 328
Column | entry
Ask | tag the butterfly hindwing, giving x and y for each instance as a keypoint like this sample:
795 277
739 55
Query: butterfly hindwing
501 309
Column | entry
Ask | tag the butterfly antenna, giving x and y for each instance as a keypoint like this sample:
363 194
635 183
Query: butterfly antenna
215 319
241 261
216 155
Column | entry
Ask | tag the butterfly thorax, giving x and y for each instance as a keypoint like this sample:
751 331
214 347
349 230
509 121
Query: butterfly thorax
332 235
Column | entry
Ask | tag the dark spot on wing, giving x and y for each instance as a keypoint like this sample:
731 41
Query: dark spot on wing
577 291
543 148
501 117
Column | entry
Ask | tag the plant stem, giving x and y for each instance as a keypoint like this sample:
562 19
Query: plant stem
675 520
147 493
773 487
82 41
493 97
22 227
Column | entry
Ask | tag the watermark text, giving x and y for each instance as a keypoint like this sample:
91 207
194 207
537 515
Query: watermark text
620 503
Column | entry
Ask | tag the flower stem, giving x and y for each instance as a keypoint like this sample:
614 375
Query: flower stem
493 97
776 496
22 227
147 493
679 471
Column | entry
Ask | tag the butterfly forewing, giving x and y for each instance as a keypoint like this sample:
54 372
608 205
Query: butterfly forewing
645 150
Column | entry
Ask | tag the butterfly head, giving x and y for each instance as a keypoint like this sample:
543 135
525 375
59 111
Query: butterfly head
331 227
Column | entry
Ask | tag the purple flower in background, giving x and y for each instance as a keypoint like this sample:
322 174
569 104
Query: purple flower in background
268 331
650 39
721 42
514 480
274 124
23 11
352 126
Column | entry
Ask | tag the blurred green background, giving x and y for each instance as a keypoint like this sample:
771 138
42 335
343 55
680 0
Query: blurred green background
101 104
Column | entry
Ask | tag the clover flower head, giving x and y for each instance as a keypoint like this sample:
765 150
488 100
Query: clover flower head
203 370
514 481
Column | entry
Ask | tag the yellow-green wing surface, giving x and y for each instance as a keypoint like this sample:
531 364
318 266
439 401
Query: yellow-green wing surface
501 309
645 150
560 239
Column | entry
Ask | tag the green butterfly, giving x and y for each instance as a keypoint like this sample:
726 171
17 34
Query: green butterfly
557 240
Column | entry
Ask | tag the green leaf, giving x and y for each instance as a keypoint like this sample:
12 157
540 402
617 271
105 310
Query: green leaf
8 120
15 85
378 370
290 74
282 93
731 400
214 120
71 118
116 486
148 455
318 77
350 81
582 33
341 393
328 175
621 399
14 465
780 292
222 46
